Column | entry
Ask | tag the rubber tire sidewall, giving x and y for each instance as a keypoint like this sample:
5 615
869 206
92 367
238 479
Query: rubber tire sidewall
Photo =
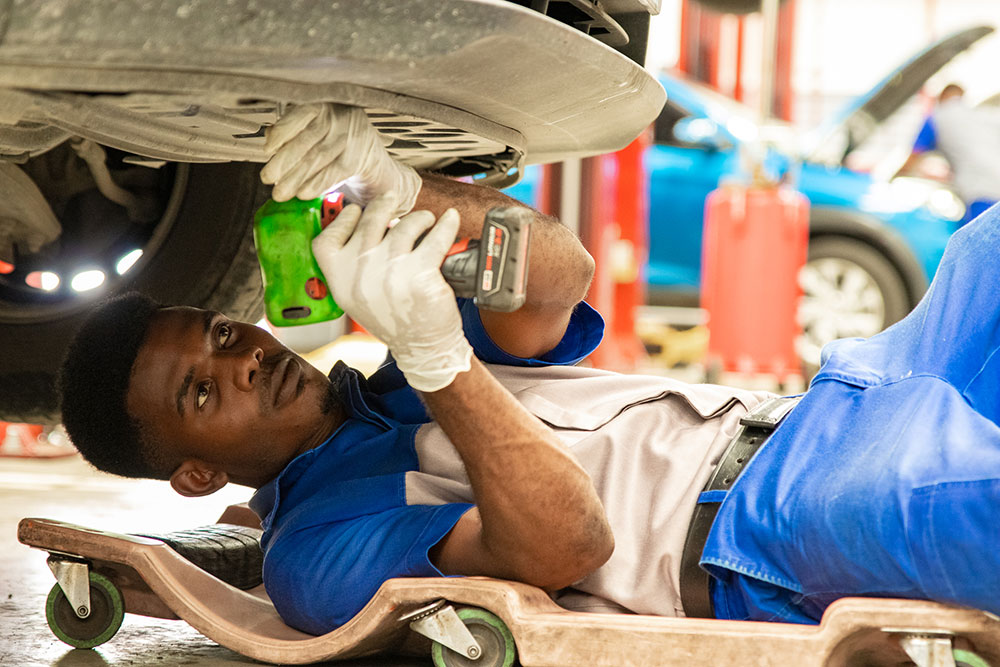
885 274
887 278
206 260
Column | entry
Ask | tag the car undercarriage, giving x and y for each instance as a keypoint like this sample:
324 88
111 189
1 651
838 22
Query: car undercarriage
131 133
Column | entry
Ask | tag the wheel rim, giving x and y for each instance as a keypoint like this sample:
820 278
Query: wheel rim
493 636
106 613
840 300
25 295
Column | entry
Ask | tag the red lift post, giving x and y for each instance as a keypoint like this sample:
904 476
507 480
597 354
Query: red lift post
614 218
612 194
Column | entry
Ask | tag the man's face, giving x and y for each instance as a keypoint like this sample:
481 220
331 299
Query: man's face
227 393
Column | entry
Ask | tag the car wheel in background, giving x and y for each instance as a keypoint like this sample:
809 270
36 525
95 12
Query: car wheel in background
850 290
197 249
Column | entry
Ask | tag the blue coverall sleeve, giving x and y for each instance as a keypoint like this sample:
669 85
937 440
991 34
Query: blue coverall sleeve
583 335
320 576
927 137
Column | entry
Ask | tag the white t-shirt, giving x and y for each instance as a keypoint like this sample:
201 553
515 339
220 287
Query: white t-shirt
970 139
649 444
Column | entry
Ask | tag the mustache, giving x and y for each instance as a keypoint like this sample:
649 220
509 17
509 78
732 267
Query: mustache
267 367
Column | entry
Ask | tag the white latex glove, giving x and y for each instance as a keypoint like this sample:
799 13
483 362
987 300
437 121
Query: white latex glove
396 291
315 148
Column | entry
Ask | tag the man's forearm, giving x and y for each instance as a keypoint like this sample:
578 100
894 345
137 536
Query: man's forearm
539 517
560 269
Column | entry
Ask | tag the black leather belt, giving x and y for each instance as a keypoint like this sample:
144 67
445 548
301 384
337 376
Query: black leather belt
756 426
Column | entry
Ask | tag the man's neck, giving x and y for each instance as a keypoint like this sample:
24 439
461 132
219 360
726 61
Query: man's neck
331 422
334 416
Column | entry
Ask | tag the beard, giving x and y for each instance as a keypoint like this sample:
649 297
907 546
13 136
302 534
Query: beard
330 402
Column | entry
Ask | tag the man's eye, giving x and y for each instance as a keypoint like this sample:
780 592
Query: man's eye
202 395
225 331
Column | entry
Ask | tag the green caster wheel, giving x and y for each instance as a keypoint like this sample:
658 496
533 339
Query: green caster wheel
968 659
106 612
492 635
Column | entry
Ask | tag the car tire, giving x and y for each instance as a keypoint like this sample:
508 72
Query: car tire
205 258
230 553
850 289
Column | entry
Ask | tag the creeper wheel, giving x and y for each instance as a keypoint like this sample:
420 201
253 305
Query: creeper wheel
968 659
106 612
493 637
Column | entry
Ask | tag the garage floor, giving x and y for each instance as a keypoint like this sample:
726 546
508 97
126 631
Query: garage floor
68 490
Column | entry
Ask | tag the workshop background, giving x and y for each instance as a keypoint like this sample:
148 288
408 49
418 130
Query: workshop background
826 53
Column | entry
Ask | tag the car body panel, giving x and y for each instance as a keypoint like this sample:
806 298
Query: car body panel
679 181
924 233
104 104
468 56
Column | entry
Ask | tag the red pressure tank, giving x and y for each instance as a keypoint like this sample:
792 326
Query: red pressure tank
755 243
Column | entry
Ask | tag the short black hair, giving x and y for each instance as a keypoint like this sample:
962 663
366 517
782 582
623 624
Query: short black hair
93 385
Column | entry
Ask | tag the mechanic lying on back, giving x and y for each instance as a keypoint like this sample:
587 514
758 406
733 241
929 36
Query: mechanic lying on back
482 451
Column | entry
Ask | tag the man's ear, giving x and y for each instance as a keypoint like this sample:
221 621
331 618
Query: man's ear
197 478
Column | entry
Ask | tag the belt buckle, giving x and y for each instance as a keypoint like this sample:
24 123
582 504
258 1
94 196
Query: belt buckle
770 413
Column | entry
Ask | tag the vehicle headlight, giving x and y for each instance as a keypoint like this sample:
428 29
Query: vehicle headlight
944 203
907 194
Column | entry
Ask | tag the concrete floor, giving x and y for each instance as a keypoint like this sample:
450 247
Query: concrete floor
68 490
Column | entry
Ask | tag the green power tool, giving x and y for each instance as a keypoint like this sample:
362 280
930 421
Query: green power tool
491 270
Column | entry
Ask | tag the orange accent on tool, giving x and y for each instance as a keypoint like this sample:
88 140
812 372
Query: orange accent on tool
316 288
457 247
5 267
333 204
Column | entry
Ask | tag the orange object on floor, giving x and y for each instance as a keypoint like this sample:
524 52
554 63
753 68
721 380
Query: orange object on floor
755 244
24 441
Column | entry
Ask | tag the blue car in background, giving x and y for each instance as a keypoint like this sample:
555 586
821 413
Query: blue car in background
874 244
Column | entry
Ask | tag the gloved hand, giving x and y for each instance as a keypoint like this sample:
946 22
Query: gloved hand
396 291
315 148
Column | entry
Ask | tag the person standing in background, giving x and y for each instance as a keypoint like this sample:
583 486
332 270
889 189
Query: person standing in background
969 138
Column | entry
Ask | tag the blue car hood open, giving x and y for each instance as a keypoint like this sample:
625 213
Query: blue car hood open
862 114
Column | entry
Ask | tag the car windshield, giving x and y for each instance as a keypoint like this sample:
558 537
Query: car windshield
720 105
739 120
